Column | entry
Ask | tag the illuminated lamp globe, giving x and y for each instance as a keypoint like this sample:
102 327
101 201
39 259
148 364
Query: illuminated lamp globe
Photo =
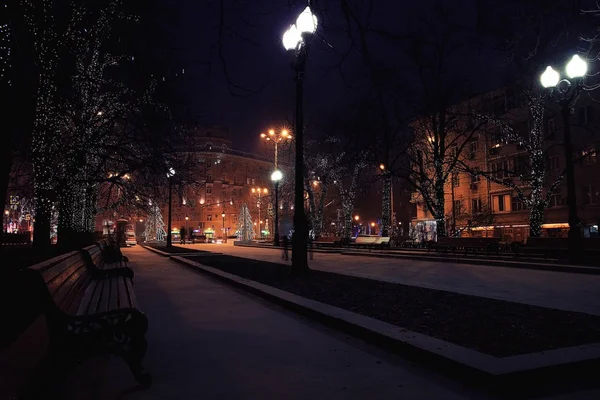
276 176
307 21
549 78
292 38
577 67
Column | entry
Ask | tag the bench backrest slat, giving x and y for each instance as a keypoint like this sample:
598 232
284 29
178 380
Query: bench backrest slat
96 256
65 280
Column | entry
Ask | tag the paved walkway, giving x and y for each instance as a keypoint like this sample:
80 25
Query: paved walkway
209 341
566 291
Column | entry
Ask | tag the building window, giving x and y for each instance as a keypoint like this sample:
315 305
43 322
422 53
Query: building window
209 217
499 203
473 148
454 151
553 162
475 178
247 181
584 115
208 189
456 180
457 207
551 127
556 198
475 206
253 181
589 195
517 204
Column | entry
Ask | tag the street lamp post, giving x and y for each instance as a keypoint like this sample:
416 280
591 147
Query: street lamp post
6 212
186 228
276 177
565 93
276 137
224 233
170 175
259 191
295 40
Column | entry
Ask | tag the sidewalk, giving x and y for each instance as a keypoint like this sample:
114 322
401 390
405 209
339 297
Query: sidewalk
209 341
560 290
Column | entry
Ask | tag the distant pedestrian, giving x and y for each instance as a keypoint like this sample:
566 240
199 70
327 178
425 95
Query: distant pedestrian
286 243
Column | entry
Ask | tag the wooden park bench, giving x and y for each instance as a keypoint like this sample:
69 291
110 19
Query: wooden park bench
557 247
327 241
456 244
371 242
400 241
88 311
111 252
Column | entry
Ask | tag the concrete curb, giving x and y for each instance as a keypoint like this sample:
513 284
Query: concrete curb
152 249
259 246
491 372
191 253
579 269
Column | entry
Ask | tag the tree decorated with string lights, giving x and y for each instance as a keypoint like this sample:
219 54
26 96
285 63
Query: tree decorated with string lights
323 171
93 146
47 31
531 35
6 98
245 227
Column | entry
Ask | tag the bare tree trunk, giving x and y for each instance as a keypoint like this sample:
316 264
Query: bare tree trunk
386 208
440 215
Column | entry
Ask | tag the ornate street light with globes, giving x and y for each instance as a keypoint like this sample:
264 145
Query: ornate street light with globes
296 41
170 175
566 92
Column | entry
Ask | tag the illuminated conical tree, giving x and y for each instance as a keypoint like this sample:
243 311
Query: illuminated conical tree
245 226
155 226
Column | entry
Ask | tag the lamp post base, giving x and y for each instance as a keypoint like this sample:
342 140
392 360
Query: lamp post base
575 244
300 246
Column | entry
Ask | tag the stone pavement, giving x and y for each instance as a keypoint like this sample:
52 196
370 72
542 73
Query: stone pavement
209 341
560 290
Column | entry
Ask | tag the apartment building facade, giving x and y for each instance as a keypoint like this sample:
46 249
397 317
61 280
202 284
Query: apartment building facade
479 205
229 177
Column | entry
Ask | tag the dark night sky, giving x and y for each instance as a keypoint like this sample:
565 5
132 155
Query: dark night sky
256 60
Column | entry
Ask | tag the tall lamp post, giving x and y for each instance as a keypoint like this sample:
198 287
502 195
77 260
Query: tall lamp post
186 228
566 92
276 177
170 175
259 191
276 137
224 233
295 40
